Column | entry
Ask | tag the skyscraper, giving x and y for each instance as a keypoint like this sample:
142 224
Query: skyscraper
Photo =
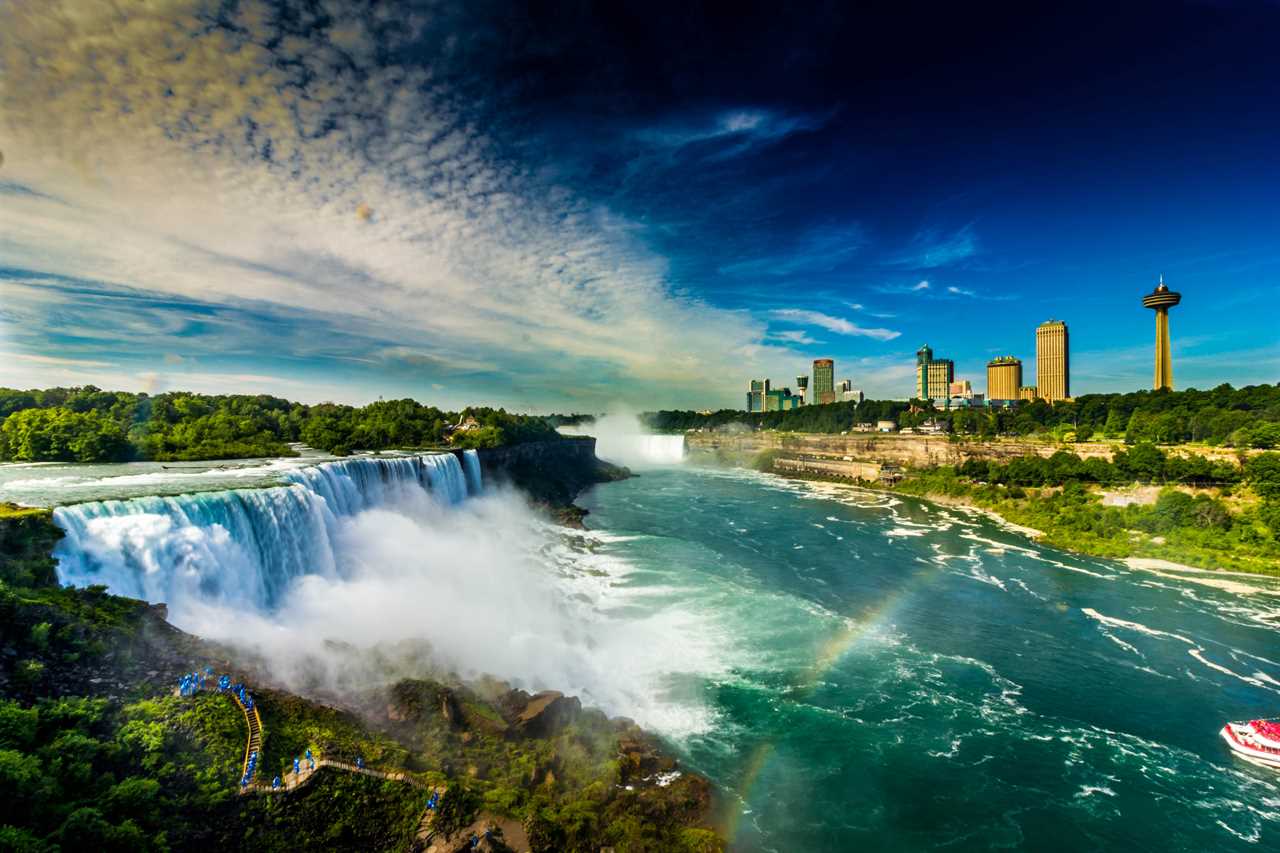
802 383
1004 378
757 392
1053 367
824 381
1161 300
933 375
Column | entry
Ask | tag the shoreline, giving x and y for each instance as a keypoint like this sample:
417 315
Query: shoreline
1154 565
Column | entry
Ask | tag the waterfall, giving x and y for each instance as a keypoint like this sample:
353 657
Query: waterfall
241 547
623 440
471 461
663 449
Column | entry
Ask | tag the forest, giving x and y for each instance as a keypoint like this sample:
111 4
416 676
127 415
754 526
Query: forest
87 424
1224 416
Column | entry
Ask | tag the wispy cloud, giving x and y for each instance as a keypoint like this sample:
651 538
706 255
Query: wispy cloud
898 289
839 325
728 133
930 249
278 161
793 336
960 291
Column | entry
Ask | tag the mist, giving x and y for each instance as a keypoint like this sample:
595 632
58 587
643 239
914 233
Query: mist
623 440
415 586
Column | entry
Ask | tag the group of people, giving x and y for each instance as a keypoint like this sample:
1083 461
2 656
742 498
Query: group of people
193 682
250 767
311 763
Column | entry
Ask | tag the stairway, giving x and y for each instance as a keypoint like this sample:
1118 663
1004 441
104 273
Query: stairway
254 722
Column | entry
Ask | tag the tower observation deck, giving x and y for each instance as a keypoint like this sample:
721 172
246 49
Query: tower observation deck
1161 300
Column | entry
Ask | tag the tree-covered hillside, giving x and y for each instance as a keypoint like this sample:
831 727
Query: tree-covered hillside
1240 417
87 424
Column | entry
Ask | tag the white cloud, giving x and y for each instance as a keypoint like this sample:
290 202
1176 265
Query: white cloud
958 291
839 325
192 161
793 336
923 285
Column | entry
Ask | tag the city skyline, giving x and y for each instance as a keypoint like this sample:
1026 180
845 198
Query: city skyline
452 203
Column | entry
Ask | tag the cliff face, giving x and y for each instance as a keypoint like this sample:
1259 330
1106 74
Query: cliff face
862 454
551 472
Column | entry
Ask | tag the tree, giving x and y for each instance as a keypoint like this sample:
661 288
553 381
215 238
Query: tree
1263 474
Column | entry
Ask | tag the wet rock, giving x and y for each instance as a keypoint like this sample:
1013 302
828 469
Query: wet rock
547 713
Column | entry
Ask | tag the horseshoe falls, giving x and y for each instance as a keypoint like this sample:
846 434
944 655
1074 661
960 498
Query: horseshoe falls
622 440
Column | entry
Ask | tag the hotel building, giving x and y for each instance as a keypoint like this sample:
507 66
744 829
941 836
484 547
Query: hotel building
1053 368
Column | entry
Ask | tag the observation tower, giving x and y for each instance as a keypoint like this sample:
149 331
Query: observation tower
1161 300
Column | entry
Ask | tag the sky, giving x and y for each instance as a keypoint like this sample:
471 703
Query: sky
579 206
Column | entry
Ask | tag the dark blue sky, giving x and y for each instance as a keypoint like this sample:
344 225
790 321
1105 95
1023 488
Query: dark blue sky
844 180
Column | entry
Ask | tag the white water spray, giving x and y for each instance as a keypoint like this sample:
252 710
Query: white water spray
623 440
392 555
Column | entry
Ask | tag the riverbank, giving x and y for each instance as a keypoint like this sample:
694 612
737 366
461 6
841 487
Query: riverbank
1074 521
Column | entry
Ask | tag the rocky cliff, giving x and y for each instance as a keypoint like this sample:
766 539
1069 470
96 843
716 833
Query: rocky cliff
553 473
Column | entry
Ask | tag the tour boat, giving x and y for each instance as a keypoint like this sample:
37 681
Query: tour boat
1257 741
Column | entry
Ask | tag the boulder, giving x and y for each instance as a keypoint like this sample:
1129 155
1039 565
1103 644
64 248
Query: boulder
547 713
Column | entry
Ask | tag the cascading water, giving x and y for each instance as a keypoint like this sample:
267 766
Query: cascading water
662 449
242 547
622 439
471 461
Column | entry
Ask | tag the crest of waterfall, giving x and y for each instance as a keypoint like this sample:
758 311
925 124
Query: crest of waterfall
241 547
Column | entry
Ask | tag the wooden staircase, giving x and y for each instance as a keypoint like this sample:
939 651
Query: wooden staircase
254 744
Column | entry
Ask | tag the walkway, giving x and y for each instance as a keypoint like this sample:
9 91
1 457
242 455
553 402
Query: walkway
293 781
254 744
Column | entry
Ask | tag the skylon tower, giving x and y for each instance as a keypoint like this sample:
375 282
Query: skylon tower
1161 300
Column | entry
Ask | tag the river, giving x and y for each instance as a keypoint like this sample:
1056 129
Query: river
896 675
854 671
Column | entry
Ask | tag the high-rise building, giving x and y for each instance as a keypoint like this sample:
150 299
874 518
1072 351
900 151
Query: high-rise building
961 388
1027 392
780 400
1004 378
824 381
757 389
802 383
1161 300
846 393
933 375
1053 365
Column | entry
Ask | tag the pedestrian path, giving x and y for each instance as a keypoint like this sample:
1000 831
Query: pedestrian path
305 769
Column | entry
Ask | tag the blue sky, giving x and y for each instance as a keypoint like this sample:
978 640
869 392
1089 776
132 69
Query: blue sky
584 206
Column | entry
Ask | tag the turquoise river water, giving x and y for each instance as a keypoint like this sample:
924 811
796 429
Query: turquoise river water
854 671
903 676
